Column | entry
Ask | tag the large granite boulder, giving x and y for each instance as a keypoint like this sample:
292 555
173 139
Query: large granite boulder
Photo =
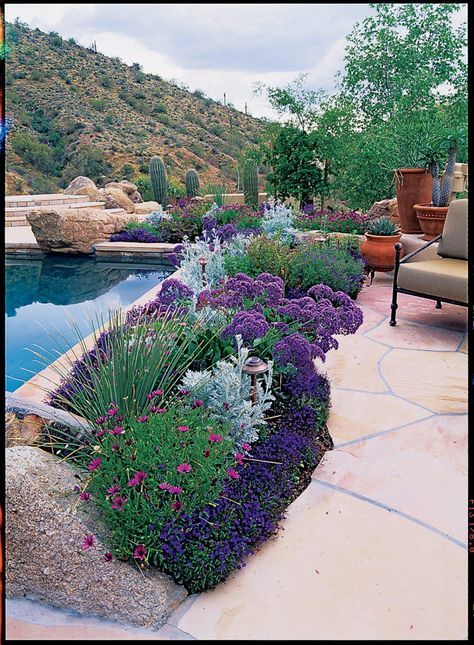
117 198
146 207
45 528
385 208
84 186
74 230
124 185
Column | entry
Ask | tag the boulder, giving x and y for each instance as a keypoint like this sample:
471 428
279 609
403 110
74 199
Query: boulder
136 197
74 230
124 185
45 562
117 198
385 208
146 207
78 184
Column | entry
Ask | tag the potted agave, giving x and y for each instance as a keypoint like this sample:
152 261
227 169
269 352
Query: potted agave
433 215
378 248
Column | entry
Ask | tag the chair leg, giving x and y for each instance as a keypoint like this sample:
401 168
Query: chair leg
394 307
438 304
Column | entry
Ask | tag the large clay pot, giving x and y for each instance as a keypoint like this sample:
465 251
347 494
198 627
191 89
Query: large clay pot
431 219
379 251
413 187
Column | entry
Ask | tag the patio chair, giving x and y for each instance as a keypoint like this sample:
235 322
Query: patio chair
443 279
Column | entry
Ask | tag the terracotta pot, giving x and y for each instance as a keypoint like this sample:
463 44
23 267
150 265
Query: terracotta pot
379 251
431 219
414 187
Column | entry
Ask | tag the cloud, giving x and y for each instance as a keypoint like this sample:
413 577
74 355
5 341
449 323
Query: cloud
215 48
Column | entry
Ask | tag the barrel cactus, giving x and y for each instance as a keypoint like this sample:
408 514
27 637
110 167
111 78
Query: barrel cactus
159 181
250 181
192 183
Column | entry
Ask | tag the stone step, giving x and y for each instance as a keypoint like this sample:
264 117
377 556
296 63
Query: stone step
53 199
17 211
20 220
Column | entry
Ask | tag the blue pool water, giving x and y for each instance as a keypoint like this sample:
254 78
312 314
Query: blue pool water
42 295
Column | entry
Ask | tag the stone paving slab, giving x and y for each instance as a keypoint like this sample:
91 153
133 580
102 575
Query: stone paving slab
354 364
341 569
420 469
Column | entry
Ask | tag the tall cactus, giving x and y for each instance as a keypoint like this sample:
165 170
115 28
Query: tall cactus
191 180
250 181
447 179
434 168
159 182
168 171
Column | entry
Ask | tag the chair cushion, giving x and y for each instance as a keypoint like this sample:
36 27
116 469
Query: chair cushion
442 278
453 244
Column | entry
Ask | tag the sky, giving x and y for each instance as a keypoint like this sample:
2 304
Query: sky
214 48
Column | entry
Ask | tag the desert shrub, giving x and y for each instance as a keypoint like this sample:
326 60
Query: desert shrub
32 151
98 104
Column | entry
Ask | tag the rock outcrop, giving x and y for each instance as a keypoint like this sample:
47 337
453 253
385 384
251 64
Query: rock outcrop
131 190
384 208
74 230
44 560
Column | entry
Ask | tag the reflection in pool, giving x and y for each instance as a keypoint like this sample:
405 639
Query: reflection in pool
42 296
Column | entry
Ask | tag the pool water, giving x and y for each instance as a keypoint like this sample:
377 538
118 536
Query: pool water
42 296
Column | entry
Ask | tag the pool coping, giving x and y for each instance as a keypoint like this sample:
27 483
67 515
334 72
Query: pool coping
34 388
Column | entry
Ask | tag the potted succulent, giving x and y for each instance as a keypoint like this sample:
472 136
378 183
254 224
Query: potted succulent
378 248
432 215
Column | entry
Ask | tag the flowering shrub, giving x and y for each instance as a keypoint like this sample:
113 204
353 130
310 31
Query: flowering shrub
138 235
150 468
333 264
324 220
241 216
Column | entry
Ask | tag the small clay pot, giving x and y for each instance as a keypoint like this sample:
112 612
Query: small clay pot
379 251
431 219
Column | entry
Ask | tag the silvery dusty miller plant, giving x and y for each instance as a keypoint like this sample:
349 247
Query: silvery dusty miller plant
226 391
278 220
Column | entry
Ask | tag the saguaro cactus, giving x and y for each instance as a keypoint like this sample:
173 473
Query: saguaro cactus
158 180
250 181
191 181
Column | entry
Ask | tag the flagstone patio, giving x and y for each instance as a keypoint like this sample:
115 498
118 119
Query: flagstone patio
375 547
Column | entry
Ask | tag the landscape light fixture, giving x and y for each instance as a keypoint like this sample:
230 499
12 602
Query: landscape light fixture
202 261
253 366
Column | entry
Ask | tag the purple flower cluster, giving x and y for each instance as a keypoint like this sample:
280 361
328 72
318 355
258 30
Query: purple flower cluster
239 290
297 352
345 222
173 290
137 235
249 324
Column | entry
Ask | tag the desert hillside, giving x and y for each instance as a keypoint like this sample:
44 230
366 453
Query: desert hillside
76 111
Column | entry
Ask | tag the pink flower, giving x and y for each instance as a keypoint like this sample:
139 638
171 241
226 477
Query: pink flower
118 430
184 392
158 392
161 410
138 478
88 542
112 412
142 419
226 406
176 505
206 452
101 420
184 468
140 552
233 474
215 438
113 489
183 428
175 490
115 446
164 486
107 557
95 463
118 502
198 403
239 457
246 446
99 433
154 408
85 496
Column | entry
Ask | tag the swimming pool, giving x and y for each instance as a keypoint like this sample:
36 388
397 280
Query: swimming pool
42 295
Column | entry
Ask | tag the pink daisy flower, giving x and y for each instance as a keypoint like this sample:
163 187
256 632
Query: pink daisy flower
138 478
184 468
246 446
215 438
107 557
140 552
239 457
85 496
118 502
176 505
113 489
164 486
233 474
183 428
95 463
142 419
175 490
88 542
